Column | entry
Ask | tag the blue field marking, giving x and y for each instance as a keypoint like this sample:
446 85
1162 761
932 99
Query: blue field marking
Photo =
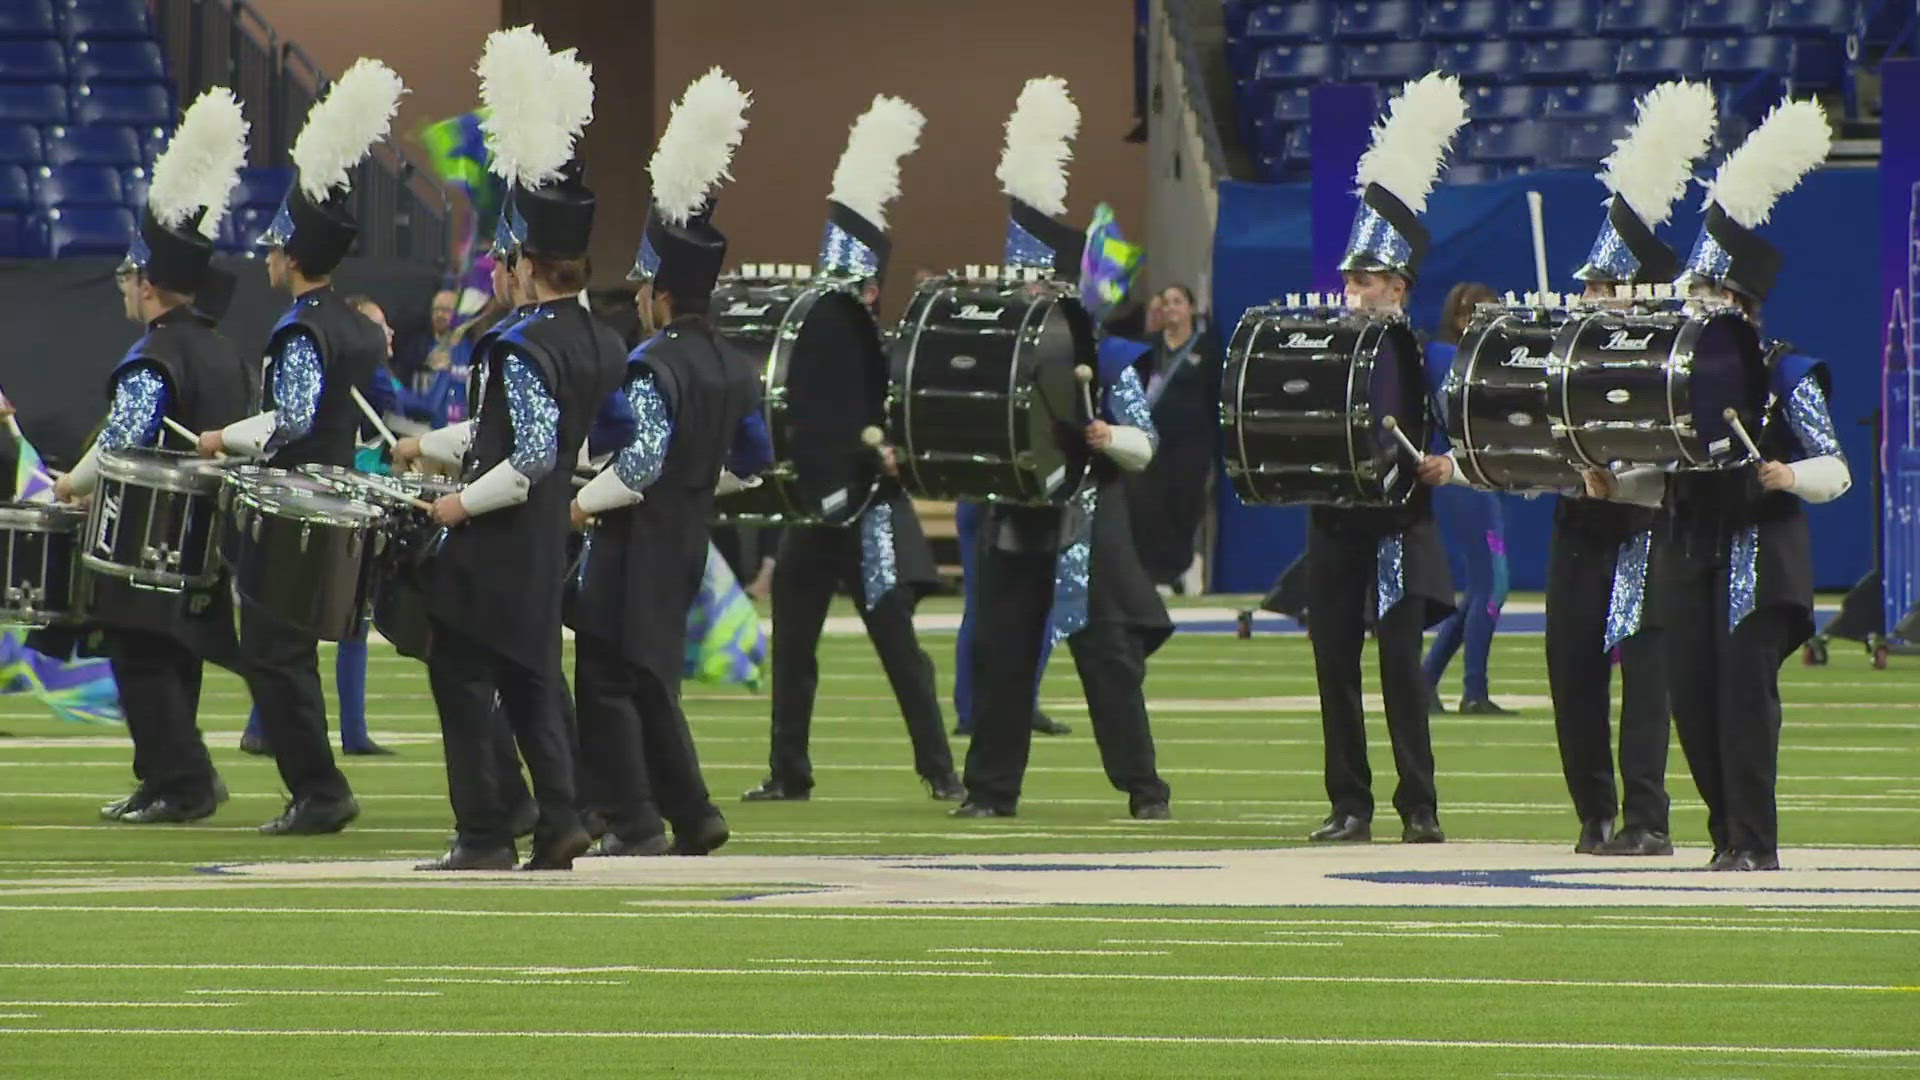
1545 879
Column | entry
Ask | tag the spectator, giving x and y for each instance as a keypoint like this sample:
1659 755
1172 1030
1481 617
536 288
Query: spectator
1183 389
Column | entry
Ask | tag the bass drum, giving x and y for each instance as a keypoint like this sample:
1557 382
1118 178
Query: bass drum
1303 396
985 405
824 379
1499 412
1640 388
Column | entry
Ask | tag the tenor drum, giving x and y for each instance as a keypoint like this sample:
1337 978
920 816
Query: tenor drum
301 551
155 519
1644 387
824 381
1304 394
39 557
985 403
401 588
1500 418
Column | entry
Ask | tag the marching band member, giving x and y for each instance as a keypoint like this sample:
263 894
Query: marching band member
182 370
1734 563
691 396
1067 571
318 352
882 561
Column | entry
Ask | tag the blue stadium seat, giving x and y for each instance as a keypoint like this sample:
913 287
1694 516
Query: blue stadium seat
89 231
1832 18
79 185
124 19
1279 24
16 190
1377 20
1466 20
11 242
104 144
1294 65
1298 151
1650 60
1289 105
42 104
1585 142
152 141
134 183
1712 18
1387 61
27 19
1505 102
1571 60
1479 61
266 187
1473 172
111 104
118 61
1270 137
1806 64
1642 18
1552 18
1591 100
32 62
1512 142
20 144
1235 13
244 225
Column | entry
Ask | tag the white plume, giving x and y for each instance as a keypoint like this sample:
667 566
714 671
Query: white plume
1411 143
694 152
1651 166
868 176
1790 143
200 166
537 104
1033 165
342 128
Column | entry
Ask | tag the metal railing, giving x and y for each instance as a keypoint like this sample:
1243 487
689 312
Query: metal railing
402 213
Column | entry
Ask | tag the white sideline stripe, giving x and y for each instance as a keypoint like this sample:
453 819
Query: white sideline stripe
831 960
514 982
118 1004
319 993
1262 944
853 1036
1050 952
1316 933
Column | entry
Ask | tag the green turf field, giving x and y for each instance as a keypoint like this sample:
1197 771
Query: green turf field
119 958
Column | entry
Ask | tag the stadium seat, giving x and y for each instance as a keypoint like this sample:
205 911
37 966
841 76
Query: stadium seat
79 185
112 104
118 61
1571 60
103 144
1294 65
32 62
1297 22
1652 60
1806 64
1270 137
1512 142
1551 18
1387 61
16 190
1298 151
90 231
20 144
1641 18
267 186
133 184
1466 20
27 19
1377 20
1234 13
42 104
1472 172
124 19
1585 142
1290 105
1479 61
152 141
1591 100
1830 18
1715 18
1505 102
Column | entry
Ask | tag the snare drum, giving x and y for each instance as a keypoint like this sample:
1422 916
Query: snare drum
824 381
301 551
1303 395
1644 387
400 596
985 403
155 519
39 548
1499 413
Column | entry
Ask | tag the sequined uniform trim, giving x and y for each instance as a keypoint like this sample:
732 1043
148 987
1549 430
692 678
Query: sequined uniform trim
1812 423
1611 255
1374 237
536 421
1127 402
1708 259
638 464
841 253
1743 573
879 569
297 376
1628 600
1024 249
1390 573
1074 567
139 399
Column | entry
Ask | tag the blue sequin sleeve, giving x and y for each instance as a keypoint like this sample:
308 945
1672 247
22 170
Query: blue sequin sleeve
296 388
638 464
139 399
1128 404
536 421
752 449
1811 422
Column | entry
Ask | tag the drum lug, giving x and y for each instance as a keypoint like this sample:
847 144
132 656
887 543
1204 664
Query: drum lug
306 533
254 527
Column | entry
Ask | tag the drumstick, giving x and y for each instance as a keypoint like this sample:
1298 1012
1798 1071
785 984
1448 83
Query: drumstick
1393 427
1732 417
368 481
378 425
1085 374
1536 210
180 429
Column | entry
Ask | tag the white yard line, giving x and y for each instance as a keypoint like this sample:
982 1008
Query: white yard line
1052 952
514 982
319 993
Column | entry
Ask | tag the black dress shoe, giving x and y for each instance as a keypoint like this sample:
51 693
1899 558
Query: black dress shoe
1047 725
775 790
1634 840
1422 827
558 853
593 821
1594 833
1435 706
1151 811
704 839
611 845
946 788
1736 860
114 810
254 744
971 809
367 749
1483 707
168 810
1342 829
524 819
462 857
313 817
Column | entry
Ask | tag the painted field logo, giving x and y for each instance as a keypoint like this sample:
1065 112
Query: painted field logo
1621 341
976 312
1299 340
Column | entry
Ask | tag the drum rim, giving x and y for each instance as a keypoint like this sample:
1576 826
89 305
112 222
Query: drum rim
1466 451
123 467
41 517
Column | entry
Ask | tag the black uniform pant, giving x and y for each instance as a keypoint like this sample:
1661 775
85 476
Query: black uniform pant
1725 686
805 579
635 736
1580 571
480 693
1340 591
1016 598
159 681
283 674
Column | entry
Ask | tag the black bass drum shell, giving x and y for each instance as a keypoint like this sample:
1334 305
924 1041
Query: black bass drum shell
1499 409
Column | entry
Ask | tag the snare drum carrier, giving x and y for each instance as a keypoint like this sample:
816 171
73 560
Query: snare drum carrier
823 379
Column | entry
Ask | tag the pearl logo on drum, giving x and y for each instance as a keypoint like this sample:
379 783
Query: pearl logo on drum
976 312
1299 340
741 307
1621 341
1520 357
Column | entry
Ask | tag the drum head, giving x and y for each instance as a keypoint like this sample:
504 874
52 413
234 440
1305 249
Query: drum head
1729 370
170 470
1397 387
304 499
836 387
41 517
